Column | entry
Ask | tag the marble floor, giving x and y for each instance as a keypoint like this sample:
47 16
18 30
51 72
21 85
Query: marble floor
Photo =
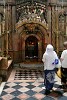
27 84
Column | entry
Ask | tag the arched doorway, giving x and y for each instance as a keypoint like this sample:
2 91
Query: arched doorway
31 48
33 38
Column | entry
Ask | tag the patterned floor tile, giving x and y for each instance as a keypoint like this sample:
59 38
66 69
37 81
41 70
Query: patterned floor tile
37 89
31 92
3 93
9 90
11 84
29 86
48 98
8 97
24 84
23 96
29 74
27 91
16 93
15 98
39 96
17 86
31 98
36 83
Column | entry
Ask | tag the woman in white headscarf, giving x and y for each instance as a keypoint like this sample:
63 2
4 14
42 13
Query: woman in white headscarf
50 59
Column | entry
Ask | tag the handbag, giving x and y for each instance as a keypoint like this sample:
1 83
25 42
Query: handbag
58 67
59 72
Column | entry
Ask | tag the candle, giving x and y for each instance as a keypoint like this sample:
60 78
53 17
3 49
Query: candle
62 3
4 6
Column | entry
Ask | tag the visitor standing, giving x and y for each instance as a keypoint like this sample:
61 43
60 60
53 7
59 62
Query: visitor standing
63 59
50 59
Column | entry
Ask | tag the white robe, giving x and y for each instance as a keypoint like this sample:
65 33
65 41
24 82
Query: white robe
49 57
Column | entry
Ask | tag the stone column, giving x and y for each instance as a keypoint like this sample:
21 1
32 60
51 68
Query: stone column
66 23
13 18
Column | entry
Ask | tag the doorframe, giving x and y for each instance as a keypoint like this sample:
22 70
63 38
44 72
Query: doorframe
39 47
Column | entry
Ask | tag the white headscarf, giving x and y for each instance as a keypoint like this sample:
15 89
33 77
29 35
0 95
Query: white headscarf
49 48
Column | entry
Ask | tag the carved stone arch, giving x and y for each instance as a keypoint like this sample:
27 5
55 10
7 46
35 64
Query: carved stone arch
39 46
32 35
35 30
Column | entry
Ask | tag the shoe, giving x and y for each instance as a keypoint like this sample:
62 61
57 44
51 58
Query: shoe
65 87
61 86
47 92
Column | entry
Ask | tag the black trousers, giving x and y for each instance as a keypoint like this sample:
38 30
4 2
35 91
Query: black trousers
63 75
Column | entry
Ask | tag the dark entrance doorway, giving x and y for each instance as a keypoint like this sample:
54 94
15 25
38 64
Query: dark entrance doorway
31 48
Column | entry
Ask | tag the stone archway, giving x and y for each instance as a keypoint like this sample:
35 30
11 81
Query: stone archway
32 47
37 32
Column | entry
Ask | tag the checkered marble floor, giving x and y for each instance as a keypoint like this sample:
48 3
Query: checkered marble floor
27 74
31 89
